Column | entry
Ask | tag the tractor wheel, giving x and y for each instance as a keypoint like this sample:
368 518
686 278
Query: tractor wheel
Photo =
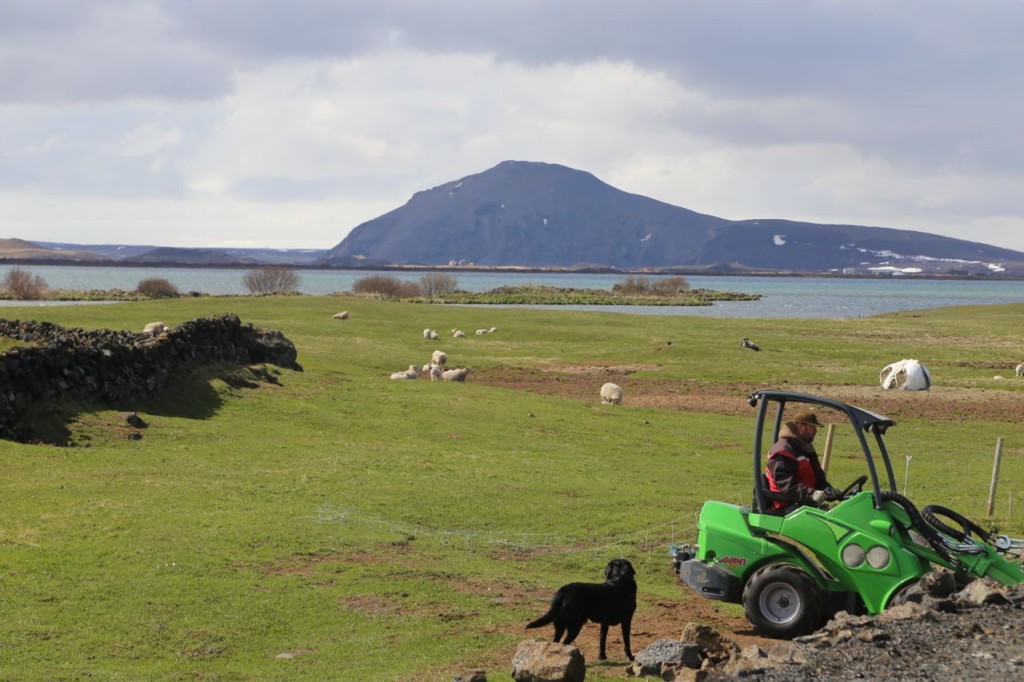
966 529
782 601
899 597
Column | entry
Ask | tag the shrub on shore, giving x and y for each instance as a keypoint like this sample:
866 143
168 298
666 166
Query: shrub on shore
386 286
644 286
24 286
272 279
438 283
157 287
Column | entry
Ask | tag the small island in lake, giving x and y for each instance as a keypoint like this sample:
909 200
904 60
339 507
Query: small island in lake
549 295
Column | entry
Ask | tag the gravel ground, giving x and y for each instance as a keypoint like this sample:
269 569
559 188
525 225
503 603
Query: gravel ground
984 643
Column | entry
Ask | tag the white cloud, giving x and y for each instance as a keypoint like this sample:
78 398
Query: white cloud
218 123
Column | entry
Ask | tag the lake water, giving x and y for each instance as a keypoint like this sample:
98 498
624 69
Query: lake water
794 297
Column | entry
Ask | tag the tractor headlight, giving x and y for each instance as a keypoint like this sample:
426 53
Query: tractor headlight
878 557
853 555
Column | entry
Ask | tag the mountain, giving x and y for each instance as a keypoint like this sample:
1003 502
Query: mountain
19 250
531 214
164 255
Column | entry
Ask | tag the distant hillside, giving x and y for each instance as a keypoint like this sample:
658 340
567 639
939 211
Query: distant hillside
19 249
141 254
172 255
532 214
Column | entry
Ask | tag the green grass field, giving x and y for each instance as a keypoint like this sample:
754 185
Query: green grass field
337 525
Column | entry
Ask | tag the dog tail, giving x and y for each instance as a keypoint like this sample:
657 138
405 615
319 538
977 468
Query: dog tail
549 617
546 619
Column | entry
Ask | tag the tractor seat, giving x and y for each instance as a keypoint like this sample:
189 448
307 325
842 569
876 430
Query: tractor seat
772 496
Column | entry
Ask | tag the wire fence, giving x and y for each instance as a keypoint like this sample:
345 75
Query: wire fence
653 538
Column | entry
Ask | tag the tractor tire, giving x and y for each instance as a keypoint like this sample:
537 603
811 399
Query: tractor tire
783 602
966 529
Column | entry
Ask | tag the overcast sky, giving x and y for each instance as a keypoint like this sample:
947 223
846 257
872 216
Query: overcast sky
287 124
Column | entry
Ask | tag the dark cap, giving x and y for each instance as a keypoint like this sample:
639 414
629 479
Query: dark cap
806 417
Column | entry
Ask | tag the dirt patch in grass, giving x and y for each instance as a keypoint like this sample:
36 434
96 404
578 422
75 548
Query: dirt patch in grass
583 382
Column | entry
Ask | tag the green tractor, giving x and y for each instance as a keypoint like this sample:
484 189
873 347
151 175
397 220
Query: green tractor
793 569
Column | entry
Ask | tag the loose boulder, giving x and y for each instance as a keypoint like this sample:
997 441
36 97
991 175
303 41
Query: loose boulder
548 662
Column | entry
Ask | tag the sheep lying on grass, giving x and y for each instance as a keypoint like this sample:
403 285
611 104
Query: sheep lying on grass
343 315
458 333
432 370
457 374
154 328
412 373
611 394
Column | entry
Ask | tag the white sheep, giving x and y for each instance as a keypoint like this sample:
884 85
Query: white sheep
412 373
457 374
611 394
439 357
435 373
492 330
154 328
427 333
481 332
343 315
458 333
1020 370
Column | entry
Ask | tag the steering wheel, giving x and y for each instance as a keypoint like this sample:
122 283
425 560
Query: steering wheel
853 488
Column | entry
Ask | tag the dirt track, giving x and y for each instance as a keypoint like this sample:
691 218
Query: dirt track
578 381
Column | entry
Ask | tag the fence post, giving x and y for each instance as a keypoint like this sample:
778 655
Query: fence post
995 476
828 448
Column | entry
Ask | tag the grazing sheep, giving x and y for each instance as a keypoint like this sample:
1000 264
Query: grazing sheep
434 335
439 357
492 330
458 333
747 343
435 373
457 374
343 315
611 394
1020 370
427 333
154 328
412 373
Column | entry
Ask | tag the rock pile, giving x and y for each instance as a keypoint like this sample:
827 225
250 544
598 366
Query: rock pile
117 366
943 630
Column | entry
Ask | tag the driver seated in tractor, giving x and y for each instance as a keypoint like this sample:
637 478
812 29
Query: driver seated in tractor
793 469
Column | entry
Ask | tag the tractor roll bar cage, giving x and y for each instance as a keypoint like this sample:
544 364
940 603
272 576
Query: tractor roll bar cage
863 421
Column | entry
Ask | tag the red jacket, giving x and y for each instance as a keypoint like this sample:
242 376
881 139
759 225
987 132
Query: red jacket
793 469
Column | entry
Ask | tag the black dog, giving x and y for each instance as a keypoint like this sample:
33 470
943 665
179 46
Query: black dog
609 603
